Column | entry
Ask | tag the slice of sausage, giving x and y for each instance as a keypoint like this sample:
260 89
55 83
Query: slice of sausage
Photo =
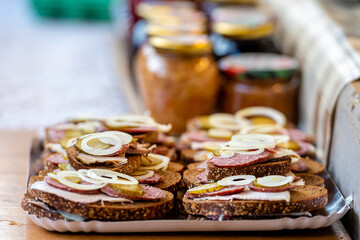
240 160
201 177
150 193
61 186
299 166
270 189
57 158
151 180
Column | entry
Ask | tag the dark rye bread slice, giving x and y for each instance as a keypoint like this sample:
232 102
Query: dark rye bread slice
302 199
278 167
171 181
175 167
132 164
106 211
314 167
311 179
187 155
29 204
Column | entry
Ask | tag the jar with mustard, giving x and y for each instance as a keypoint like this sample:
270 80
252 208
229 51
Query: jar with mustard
260 79
178 78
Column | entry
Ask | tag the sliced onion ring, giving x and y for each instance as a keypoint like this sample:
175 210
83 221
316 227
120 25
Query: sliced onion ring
102 175
145 176
83 175
226 121
277 116
237 180
98 151
241 142
62 175
274 180
281 138
263 128
227 154
161 166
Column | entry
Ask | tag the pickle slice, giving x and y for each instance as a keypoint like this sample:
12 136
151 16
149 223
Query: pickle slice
139 173
63 166
74 179
150 162
64 142
219 133
256 184
290 145
95 143
71 133
211 187
262 120
133 189
203 122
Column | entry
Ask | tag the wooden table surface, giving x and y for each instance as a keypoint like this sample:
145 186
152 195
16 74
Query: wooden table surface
14 224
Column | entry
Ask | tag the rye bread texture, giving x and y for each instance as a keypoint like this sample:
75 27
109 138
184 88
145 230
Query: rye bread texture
189 177
303 199
175 167
279 167
133 163
314 167
106 211
29 204
311 179
171 181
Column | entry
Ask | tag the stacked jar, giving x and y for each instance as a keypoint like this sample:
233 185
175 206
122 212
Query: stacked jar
175 68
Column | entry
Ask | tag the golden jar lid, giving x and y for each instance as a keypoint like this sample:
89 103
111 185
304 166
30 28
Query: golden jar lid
235 1
242 22
149 10
184 43
164 29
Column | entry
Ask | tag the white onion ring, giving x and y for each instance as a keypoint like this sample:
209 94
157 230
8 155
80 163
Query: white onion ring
99 173
98 151
256 152
129 121
231 181
83 175
61 177
263 128
274 180
161 166
145 176
226 121
71 142
227 154
242 142
281 138
277 116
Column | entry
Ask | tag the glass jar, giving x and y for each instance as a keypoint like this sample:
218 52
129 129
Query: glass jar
238 29
260 79
178 78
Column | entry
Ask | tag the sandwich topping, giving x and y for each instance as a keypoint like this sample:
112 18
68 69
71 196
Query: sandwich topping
245 187
136 124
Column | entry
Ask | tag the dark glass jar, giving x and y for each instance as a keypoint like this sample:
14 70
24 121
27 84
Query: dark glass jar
261 79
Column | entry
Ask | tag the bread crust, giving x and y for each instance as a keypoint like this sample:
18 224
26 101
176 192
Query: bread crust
133 163
171 181
139 210
314 167
311 179
280 167
175 167
28 205
303 198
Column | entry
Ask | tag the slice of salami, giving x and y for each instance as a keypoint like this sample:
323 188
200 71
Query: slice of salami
162 150
225 191
299 166
56 158
201 136
270 189
61 186
136 130
151 180
296 134
240 160
202 165
55 135
150 193
201 177
304 148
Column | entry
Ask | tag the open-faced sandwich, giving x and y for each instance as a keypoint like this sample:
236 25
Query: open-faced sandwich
208 132
246 195
94 194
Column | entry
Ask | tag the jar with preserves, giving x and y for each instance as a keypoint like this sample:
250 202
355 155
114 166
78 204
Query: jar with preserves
178 78
238 29
260 79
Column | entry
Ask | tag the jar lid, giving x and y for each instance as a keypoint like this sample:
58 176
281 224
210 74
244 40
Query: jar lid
183 43
259 65
245 23
165 29
148 10
235 1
